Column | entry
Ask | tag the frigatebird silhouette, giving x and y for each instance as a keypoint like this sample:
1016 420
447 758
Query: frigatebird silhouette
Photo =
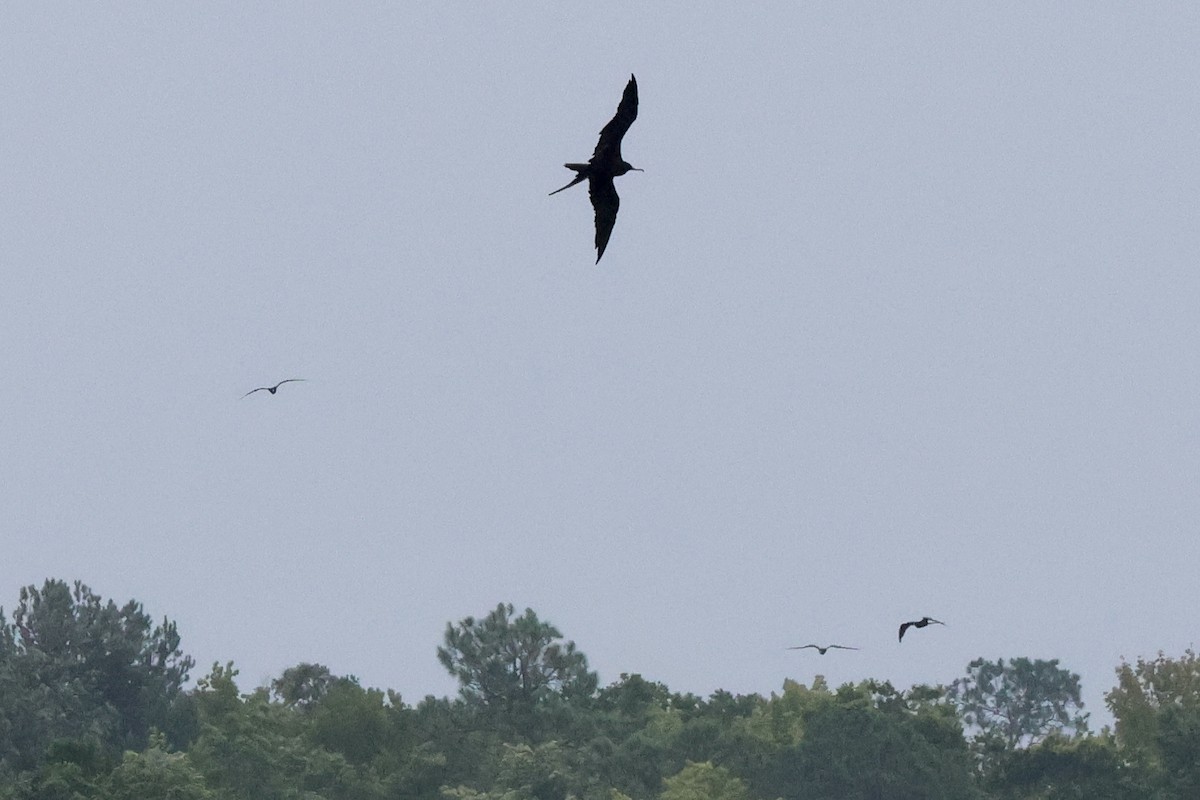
921 623
822 650
606 164
273 389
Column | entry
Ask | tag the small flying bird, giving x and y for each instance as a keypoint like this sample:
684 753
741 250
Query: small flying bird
606 164
822 650
273 389
921 623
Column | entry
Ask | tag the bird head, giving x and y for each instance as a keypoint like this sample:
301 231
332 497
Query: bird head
627 167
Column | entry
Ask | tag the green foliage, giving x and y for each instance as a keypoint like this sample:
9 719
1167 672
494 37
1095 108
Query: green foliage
704 782
639 760
85 685
534 773
1178 743
869 742
1156 704
1070 769
547 771
435 744
632 696
780 722
303 685
252 749
1019 702
73 666
70 771
1144 690
155 774
510 667
351 720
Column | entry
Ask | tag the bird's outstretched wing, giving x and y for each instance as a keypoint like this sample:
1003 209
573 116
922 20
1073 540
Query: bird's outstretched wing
903 627
272 389
805 647
935 621
606 202
841 647
612 133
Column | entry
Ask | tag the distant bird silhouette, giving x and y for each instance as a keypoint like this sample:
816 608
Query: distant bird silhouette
822 650
921 623
273 389
606 164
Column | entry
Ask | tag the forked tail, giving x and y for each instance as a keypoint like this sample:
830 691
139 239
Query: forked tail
581 173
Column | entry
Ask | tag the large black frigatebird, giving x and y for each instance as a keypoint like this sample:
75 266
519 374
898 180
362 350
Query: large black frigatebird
921 623
822 650
606 164
273 389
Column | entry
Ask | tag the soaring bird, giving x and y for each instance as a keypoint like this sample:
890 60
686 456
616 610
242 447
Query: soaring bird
921 623
273 389
822 650
607 164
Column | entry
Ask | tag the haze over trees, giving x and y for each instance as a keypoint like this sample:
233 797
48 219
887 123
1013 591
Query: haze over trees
94 704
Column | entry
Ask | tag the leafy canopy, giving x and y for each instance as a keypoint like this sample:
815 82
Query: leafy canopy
513 664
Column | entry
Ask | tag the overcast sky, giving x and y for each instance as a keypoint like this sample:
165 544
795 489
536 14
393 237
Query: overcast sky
900 319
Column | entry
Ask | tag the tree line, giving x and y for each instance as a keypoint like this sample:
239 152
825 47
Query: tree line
95 703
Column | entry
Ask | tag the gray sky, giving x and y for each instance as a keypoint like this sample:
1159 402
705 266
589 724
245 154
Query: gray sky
901 319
